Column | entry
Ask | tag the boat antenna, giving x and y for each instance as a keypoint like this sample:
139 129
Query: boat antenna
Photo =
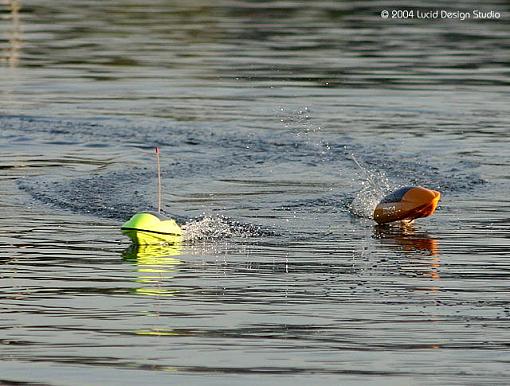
159 179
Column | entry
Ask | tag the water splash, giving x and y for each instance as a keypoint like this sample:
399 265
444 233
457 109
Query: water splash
206 228
218 227
303 126
373 188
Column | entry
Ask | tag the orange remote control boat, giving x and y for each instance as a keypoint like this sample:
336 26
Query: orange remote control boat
406 204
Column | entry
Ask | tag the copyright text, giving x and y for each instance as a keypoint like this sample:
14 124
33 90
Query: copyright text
434 14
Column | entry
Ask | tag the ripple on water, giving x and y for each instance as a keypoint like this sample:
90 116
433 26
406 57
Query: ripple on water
258 122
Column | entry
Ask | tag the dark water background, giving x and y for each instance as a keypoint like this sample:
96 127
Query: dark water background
258 107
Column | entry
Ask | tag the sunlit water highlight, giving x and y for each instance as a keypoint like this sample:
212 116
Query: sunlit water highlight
282 278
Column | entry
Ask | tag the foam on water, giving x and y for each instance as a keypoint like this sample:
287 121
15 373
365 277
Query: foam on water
206 228
210 228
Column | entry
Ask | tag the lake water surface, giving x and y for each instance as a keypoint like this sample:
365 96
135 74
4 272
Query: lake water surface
260 109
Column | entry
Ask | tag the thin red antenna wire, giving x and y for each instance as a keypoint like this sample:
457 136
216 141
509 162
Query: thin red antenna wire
159 180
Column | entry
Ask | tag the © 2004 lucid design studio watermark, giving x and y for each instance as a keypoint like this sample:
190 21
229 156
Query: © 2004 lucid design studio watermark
441 14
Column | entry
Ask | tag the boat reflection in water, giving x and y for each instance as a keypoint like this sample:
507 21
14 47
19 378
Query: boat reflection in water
155 264
423 248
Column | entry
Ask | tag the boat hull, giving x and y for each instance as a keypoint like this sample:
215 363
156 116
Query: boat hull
407 204
144 237
147 228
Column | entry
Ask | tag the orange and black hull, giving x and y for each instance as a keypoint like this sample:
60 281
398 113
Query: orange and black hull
407 204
